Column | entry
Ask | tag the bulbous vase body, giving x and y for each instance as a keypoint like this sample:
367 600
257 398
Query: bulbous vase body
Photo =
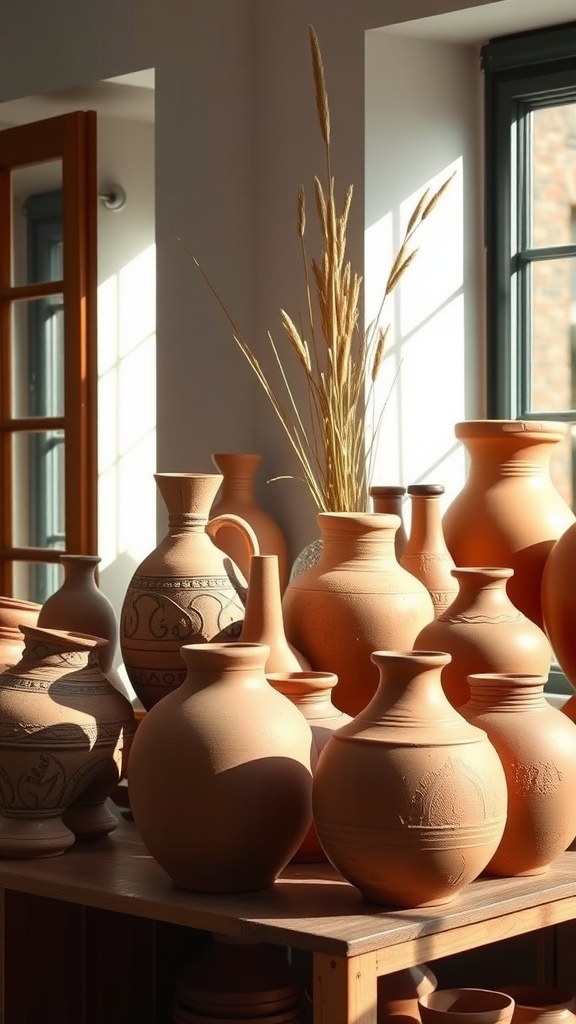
509 513
237 496
220 774
484 632
444 809
388 498
13 614
311 693
426 555
186 591
357 599
559 601
263 620
63 727
536 744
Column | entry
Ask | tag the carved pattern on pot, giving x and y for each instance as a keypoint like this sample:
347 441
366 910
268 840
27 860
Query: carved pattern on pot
430 804
543 777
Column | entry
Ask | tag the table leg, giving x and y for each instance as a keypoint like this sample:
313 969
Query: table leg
345 988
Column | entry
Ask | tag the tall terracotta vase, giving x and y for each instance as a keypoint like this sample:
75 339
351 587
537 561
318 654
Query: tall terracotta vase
356 600
509 513
399 992
466 1006
237 496
62 728
220 777
426 555
559 601
536 744
388 498
263 621
185 591
484 632
13 614
409 800
311 693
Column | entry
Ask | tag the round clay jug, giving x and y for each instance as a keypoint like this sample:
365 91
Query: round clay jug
509 513
536 744
559 601
426 555
13 614
237 496
445 791
237 979
466 1006
311 692
388 498
62 726
399 992
357 599
542 1004
484 632
263 621
185 591
220 778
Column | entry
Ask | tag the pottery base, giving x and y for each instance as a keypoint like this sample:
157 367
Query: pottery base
27 837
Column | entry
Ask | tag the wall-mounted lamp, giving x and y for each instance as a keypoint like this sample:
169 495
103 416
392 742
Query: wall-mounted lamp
114 198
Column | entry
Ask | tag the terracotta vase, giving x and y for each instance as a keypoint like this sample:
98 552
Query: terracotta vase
237 496
484 632
239 980
466 1006
311 692
509 513
559 601
13 614
356 600
263 621
220 777
185 591
444 809
388 498
426 555
399 992
536 744
542 1004
62 727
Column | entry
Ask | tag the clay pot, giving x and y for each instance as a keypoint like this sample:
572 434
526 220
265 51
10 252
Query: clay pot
426 555
536 744
63 727
263 621
399 992
541 1004
484 632
388 498
237 496
445 792
186 591
509 513
311 693
559 601
220 773
356 600
13 614
239 980
466 1006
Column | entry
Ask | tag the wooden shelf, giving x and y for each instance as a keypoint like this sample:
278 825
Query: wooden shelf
310 908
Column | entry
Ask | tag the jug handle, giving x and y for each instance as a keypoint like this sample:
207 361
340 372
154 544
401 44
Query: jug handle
229 519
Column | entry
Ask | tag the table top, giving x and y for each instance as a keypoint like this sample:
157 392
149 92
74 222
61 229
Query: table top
310 907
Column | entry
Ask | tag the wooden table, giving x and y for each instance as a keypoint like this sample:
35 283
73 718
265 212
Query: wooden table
310 908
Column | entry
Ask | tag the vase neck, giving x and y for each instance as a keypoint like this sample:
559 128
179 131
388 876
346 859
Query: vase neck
348 536
186 522
263 612
506 692
426 533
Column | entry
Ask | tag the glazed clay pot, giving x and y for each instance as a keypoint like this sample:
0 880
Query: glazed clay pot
356 600
541 1004
426 555
13 614
484 632
509 513
559 601
388 498
61 729
263 621
445 792
311 692
237 496
536 744
186 591
220 774
466 1006
399 992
